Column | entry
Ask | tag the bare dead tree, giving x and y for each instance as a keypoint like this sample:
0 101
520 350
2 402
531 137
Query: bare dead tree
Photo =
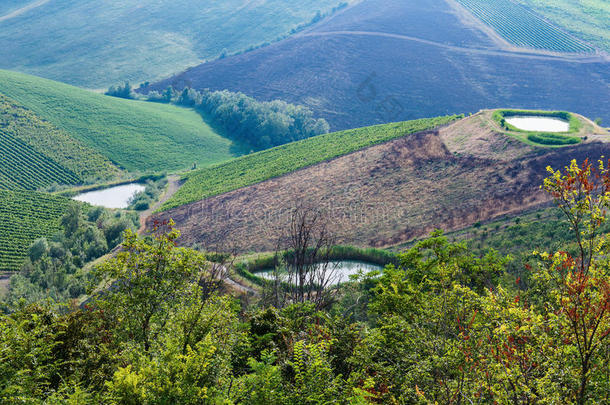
221 257
303 270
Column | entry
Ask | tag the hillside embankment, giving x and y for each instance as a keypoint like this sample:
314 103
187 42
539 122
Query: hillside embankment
388 194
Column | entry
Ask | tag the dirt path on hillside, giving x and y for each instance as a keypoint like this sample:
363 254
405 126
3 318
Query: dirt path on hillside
173 184
515 54
5 279
23 9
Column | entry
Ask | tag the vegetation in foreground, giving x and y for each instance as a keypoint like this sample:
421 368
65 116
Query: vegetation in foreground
136 135
440 327
56 265
284 159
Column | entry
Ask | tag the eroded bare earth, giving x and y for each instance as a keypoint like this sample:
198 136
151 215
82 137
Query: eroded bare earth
390 193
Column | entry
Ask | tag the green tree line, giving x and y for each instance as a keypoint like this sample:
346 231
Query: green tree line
255 124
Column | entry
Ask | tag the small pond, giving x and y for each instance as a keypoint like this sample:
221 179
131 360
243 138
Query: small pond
343 269
113 197
539 123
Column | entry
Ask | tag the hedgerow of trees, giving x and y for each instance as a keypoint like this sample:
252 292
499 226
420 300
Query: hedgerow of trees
256 124
259 124
442 326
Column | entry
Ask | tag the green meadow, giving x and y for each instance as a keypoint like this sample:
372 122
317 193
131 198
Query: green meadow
136 135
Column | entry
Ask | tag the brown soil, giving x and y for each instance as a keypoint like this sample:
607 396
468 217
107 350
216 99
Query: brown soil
4 283
390 193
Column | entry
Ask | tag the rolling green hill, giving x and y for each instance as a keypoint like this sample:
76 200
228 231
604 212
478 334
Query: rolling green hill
25 217
136 135
287 158
36 154
94 44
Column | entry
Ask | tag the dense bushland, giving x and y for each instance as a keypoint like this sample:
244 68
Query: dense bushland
152 191
442 326
54 265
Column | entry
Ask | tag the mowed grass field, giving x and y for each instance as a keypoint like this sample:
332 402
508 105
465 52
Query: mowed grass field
284 159
137 136
588 20
24 217
94 44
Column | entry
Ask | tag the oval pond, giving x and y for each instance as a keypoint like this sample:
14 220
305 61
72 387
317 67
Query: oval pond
539 123
344 269
113 197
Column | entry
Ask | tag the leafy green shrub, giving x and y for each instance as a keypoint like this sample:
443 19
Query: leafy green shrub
121 91
553 139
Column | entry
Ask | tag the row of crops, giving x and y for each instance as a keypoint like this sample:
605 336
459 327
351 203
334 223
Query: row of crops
21 167
24 217
523 28
37 136
33 156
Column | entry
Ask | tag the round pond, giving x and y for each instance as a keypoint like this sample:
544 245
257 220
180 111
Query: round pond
538 123
113 197
343 269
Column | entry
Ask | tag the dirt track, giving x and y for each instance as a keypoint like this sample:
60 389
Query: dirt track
524 54
173 184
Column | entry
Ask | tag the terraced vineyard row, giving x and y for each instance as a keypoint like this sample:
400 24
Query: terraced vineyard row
21 167
24 217
523 28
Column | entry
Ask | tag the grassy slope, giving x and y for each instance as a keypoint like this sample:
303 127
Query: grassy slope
69 40
21 125
139 136
24 217
589 20
284 159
